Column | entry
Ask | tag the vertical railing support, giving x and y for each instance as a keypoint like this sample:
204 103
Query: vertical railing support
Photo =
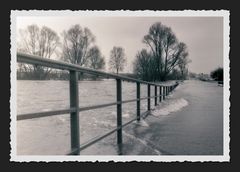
160 93
119 115
164 92
138 101
74 103
149 95
155 95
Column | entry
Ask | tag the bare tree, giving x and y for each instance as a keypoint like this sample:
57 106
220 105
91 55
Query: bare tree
95 59
167 52
178 58
37 41
76 43
144 65
117 59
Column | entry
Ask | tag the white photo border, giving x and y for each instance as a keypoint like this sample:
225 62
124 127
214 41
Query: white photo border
181 13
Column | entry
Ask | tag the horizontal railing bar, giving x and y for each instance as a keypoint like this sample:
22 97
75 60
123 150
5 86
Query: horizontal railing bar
97 106
128 101
44 114
64 111
60 112
144 98
36 60
98 138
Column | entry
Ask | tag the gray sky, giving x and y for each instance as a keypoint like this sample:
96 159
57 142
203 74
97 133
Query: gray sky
203 35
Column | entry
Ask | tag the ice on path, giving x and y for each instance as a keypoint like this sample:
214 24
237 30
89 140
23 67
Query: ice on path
171 106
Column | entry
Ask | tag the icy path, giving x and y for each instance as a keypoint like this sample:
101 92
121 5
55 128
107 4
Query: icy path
189 122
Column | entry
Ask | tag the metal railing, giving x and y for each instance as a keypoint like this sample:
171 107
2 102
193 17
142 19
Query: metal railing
74 100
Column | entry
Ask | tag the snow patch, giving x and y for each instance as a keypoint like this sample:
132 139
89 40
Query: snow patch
126 115
171 106
142 123
113 113
106 124
46 109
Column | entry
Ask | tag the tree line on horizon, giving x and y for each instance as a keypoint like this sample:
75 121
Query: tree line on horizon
216 74
165 57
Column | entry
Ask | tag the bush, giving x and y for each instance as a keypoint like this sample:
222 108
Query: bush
217 74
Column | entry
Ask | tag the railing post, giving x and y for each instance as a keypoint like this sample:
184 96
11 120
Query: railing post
119 115
74 103
138 101
164 92
160 93
155 95
149 95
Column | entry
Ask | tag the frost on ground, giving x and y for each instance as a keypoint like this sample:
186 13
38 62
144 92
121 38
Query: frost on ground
171 105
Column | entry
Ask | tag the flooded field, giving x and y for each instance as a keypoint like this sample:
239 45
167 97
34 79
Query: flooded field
51 135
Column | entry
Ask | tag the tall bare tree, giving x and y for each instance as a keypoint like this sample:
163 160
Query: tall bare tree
95 59
143 65
166 51
76 44
178 58
42 42
117 59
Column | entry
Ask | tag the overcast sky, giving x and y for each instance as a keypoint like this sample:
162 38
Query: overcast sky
203 35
